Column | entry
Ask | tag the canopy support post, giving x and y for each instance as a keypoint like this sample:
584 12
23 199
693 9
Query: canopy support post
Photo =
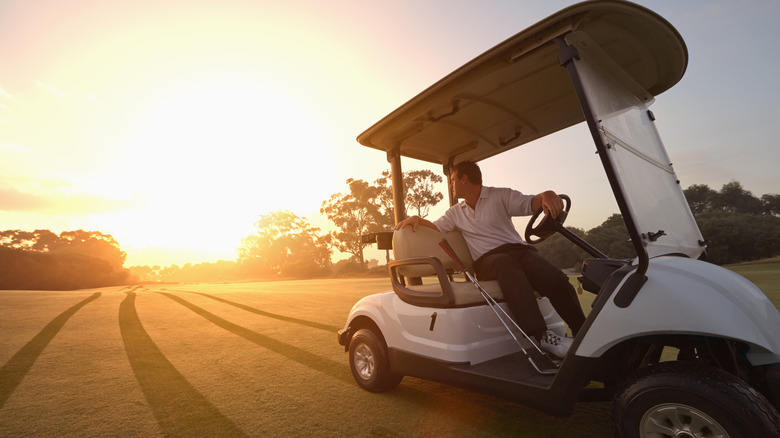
397 175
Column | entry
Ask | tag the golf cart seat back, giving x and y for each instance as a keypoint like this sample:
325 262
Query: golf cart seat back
418 255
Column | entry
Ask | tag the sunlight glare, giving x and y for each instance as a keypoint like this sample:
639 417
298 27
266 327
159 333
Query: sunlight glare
211 157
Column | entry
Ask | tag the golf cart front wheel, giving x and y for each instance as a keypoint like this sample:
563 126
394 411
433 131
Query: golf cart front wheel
369 362
675 399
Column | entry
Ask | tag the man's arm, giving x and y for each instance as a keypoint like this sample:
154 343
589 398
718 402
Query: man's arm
416 221
549 201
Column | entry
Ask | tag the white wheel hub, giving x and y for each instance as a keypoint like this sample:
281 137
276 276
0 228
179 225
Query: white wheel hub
364 361
679 421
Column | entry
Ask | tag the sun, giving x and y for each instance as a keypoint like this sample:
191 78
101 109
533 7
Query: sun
211 156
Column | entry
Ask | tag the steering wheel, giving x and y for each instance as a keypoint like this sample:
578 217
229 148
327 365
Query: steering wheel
548 226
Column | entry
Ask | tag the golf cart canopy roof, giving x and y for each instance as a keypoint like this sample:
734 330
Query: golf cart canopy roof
517 91
602 62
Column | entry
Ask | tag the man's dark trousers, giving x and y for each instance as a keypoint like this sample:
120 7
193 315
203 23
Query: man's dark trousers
520 271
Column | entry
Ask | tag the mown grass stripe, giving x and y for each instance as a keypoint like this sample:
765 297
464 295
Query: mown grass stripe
331 368
317 325
179 408
12 373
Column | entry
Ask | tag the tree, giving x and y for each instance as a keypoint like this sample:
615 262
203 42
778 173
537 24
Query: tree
771 203
39 270
355 213
611 238
419 193
90 243
735 199
146 273
369 208
561 252
77 259
385 199
738 237
700 198
285 245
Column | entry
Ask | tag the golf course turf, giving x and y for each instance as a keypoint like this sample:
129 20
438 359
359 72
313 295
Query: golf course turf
242 359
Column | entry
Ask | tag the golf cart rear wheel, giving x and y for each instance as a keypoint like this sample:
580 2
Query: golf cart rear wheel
676 399
369 363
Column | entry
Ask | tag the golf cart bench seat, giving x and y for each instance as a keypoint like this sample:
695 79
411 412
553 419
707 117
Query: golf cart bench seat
418 255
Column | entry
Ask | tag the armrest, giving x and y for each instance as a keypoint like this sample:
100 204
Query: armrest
445 297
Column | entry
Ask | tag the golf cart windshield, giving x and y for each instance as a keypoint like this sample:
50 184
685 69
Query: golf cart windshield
643 171
601 62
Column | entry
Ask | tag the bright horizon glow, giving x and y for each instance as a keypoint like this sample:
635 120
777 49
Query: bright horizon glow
173 125
204 161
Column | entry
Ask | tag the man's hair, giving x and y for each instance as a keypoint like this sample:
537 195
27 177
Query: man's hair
470 169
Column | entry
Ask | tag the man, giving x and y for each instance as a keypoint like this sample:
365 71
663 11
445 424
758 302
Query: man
484 217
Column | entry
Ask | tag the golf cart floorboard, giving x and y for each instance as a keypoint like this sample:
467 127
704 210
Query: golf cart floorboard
513 368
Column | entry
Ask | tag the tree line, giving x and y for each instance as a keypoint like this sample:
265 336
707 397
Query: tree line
285 245
737 226
43 260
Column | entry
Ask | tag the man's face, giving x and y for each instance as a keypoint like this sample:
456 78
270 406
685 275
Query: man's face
457 184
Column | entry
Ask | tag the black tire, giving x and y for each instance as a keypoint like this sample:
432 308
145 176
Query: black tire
369 363
676 399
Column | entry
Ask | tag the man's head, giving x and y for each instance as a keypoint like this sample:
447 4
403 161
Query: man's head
468 168
465 176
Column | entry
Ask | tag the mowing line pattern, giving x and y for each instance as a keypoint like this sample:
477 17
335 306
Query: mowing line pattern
179 408
331 368
328 328
12 373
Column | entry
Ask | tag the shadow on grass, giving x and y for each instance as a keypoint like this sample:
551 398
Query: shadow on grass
179 408
494 416
12 373
303 357
407 395
328 328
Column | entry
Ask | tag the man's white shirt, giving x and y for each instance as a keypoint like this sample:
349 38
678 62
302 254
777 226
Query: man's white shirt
489 225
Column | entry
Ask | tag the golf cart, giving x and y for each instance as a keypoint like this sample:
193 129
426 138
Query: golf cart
602 62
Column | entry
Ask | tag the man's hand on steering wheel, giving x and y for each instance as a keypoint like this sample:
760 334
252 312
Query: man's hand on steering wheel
555 209
552 204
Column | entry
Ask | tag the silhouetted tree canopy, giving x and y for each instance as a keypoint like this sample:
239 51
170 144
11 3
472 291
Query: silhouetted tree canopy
732 198
369 208
284 245
771 204
735 199
737 226
354 213
419 194
561 252
700 198
41 259
219 271
611 238
739 237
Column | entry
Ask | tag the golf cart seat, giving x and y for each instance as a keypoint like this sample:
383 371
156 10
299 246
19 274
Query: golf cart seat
418 255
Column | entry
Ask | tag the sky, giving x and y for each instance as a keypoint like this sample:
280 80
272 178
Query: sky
173 125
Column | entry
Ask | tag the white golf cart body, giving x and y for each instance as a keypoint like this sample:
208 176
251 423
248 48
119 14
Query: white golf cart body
602 62
454 326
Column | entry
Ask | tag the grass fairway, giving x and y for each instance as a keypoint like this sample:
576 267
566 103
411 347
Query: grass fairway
765 274
251 359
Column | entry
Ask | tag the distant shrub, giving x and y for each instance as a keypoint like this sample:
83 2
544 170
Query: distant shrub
32 270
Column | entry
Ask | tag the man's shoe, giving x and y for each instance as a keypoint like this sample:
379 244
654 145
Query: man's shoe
554 344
